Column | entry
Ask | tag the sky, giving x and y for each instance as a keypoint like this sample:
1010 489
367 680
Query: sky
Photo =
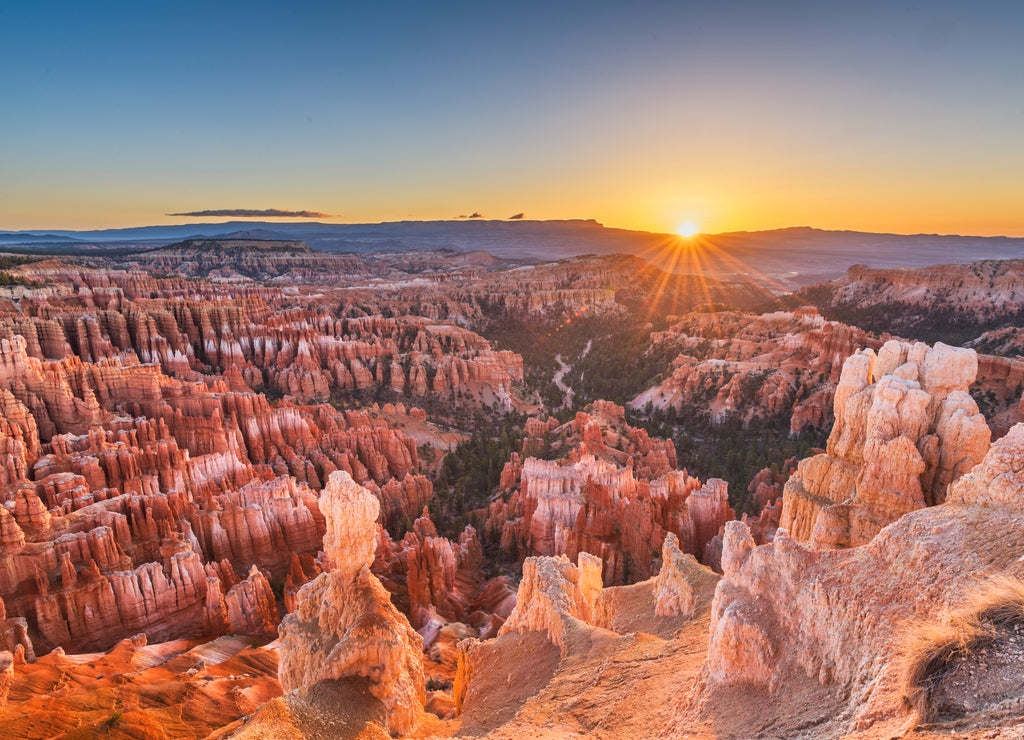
903 117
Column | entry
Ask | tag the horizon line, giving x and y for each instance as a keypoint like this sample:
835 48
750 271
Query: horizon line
45 231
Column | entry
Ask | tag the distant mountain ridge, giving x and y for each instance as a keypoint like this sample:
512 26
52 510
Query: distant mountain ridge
317 228
21 237
783 259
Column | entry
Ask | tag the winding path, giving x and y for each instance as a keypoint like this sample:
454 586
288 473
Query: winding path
567 392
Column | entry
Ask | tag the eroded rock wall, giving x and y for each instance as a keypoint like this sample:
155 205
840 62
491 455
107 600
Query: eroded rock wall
905 429
837 616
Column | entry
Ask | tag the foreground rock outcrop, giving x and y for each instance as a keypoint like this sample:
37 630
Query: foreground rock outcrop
575 654
905 429
555 597
344 624
838 617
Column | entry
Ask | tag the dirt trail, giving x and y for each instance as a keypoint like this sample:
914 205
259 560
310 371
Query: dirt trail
559 379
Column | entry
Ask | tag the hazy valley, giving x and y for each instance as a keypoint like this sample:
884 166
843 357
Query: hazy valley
780 260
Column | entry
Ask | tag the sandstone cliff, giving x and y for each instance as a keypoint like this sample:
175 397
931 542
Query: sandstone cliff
905 429
838 617
614 492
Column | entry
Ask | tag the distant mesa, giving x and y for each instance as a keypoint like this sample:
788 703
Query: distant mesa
259 213
517 217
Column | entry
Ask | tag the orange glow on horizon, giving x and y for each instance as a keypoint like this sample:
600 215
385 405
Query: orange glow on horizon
687 229
650 212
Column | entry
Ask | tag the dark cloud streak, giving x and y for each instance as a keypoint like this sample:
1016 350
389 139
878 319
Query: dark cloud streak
261 213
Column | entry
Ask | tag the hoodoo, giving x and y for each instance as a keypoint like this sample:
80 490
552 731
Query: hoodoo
905 429
366 468
344 624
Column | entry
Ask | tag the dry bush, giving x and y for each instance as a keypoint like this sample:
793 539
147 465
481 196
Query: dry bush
932 649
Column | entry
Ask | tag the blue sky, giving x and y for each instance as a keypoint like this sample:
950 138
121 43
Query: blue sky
876 116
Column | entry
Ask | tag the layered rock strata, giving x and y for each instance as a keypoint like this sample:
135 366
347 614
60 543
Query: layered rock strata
782 365
905 429
838 616
615 493
344 624
964 297
127 490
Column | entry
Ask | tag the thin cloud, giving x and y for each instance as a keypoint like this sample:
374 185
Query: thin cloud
259 213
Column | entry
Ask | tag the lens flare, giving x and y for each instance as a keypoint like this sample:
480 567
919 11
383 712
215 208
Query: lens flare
687 229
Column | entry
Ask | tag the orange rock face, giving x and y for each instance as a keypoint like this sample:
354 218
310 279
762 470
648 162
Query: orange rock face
344 623
441 575
905 429
172 689
143 477
616 495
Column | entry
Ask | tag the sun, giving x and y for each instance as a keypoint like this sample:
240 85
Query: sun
687 229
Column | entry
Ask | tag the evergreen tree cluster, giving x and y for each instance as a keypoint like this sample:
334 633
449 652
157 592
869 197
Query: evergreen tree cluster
470 475
7 279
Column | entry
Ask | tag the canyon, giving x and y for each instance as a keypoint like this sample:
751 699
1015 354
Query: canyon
322 494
